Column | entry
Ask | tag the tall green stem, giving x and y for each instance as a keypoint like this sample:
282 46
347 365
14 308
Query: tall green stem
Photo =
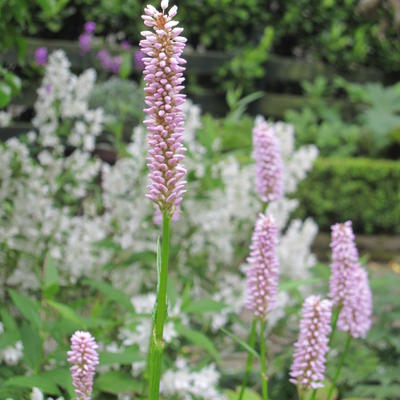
339 367
263 360
252 340
313 394
334 323
157 343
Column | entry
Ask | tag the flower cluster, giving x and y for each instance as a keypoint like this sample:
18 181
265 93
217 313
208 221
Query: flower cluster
86 38
84 359
308 367
163 47
349 286
263 273
41 56
187 384
269 163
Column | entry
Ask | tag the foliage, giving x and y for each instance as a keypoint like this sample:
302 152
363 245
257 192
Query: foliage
83 256
345 33
365 191
248 66
364 123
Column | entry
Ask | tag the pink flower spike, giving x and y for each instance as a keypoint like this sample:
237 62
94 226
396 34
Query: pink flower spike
84 359
269 162
344 260
356 313
263 272
163 74
349 285
308 368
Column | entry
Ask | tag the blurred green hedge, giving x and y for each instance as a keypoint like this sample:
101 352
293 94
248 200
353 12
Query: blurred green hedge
363 190
346 33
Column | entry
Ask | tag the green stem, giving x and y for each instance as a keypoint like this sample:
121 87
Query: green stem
157 343
263 360
252 340
313 394
340 365
334 324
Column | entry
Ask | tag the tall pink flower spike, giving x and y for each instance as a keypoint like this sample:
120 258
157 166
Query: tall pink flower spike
344 260
84 359
263 273
308 368
163 75
269 163
349 285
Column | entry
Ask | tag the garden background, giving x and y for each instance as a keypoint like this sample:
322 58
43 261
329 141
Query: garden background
77 235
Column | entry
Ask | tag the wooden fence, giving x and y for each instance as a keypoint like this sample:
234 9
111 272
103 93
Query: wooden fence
280 71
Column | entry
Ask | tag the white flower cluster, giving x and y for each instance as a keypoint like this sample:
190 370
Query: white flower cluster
187 384
5 119
38 395
64 95
60 201
11 355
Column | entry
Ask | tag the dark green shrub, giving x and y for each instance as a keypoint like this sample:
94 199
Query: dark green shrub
364 190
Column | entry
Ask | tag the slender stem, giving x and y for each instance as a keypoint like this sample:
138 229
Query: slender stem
252 340
299 394
340 365
263 360
334 323
313 394
157 343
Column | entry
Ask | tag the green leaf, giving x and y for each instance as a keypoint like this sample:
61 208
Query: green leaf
41 382
33 346
51 279
127 357
198 339
113 294
5 94
13 81
62 377
202 306
241 343
68 314
29 308
7 339
10 326
116 382
48 6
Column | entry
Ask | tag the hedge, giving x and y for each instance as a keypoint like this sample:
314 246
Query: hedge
366 191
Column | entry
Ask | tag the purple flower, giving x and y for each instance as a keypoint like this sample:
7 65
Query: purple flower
41 55
269 163
84 359
263 272
349 286
355 315
163 47
344 261
105 59
116 64
125 45
90 27
85 42
139 60
308 368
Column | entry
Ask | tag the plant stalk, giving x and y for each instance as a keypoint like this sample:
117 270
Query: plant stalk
157 343
263 360
339 367
334 324
252 340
